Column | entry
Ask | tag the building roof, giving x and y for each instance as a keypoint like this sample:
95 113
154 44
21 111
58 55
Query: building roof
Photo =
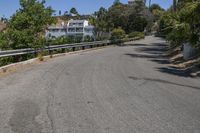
2 26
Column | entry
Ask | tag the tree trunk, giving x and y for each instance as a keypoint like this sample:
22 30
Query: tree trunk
174 5
149 3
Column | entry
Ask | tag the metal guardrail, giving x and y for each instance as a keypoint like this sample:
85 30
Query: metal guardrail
82 45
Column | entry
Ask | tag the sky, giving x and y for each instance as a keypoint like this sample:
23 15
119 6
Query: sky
8 7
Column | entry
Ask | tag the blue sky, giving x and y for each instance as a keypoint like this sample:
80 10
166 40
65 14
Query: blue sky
8 7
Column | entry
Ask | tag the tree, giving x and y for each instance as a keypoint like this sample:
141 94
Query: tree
26 28
129 18
73 11
157 11
116 2
183 25
174 5
118 16
4 19
138 17
100 21
136 23
155 7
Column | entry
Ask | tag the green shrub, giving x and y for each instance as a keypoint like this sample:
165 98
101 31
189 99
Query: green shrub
88 38
139 35
6 61
117 35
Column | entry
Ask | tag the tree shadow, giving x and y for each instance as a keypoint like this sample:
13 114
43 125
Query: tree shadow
163 81
141 55
154 48
161 61
131 44
174 71
138 44
180 72
155 52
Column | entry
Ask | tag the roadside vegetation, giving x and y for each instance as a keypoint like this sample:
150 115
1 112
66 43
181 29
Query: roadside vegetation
181 23
129 18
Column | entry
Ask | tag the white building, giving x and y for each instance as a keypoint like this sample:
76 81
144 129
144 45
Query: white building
73 28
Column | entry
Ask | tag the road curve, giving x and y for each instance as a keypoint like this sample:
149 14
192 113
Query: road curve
128 89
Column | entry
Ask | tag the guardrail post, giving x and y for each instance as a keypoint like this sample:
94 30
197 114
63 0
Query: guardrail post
83 47
63 50
50 52
35 52
18 58
73 49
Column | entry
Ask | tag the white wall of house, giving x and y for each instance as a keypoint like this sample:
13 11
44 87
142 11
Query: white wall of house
73 27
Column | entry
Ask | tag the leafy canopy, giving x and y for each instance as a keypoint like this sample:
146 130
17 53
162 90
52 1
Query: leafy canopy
27 26
183 25
73 11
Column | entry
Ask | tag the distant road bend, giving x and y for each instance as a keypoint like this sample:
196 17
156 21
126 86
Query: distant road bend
128 89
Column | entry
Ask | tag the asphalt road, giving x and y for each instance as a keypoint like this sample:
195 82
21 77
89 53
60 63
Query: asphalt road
127 89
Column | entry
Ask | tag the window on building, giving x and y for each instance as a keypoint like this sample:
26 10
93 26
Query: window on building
54 30
71 29
88 30
79 29
80 24
63 30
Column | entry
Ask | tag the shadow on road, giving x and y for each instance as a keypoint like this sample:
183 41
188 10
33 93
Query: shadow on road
142 56
135 45
180 72
164 81
156 49
156 52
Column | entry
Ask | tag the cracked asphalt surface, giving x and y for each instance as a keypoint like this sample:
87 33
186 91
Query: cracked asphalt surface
128 89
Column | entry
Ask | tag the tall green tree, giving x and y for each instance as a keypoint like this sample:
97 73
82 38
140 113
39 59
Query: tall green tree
116 2
118 16
73 11
184 24
101 22
155 7
129 18
27 26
